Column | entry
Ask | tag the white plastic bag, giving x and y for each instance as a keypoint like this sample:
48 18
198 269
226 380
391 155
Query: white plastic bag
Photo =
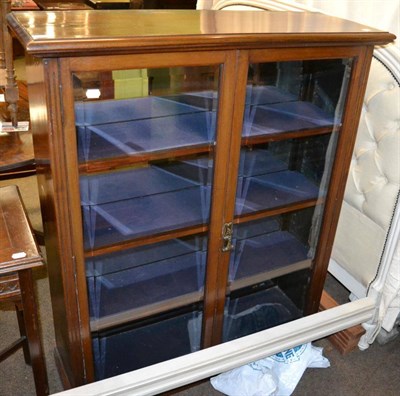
247 380
276 375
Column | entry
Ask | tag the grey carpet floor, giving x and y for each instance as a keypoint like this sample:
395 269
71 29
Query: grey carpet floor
373 372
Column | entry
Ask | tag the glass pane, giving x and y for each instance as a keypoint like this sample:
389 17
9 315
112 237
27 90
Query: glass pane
265 305
164 275
129 112
133 347
281 173
291 122
145 147
269 247
142 201
294 96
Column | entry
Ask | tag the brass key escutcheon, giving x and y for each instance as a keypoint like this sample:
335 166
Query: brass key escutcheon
227 233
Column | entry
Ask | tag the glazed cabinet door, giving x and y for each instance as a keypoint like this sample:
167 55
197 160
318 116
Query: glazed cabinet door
288 120
146 138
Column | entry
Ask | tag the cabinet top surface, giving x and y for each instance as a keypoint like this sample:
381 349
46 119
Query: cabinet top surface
70 33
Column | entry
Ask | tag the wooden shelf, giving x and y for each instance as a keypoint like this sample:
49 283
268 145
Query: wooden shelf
267 275
137 314
198 229
279 136
109 164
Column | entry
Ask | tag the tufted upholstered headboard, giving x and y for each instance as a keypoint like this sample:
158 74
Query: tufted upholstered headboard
373 185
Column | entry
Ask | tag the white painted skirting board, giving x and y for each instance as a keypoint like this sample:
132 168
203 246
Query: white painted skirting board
196 366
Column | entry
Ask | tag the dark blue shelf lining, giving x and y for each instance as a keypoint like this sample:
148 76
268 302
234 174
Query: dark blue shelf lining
125 184
146 285
273 190
265 253
158 133
259 311
303 110
122 260
128 219
139 347
257 227
283 117
120 185
142 313
255 95
114 111
263 277
259 95
258 162
179 130
168 338
252 163
115 222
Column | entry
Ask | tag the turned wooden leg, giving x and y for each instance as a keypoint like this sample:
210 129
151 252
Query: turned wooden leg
11 88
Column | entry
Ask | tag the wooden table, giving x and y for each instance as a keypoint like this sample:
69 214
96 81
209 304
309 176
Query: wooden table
18 255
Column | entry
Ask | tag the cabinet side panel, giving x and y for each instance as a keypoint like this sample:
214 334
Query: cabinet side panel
81 327
39 120
42 76
345 145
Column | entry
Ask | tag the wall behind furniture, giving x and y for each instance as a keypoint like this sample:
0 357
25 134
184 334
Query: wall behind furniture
384 15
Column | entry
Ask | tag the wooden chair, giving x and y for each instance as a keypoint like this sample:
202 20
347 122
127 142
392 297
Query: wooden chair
18 255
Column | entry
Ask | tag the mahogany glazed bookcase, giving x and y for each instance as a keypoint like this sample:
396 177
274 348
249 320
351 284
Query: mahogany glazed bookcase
191 168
